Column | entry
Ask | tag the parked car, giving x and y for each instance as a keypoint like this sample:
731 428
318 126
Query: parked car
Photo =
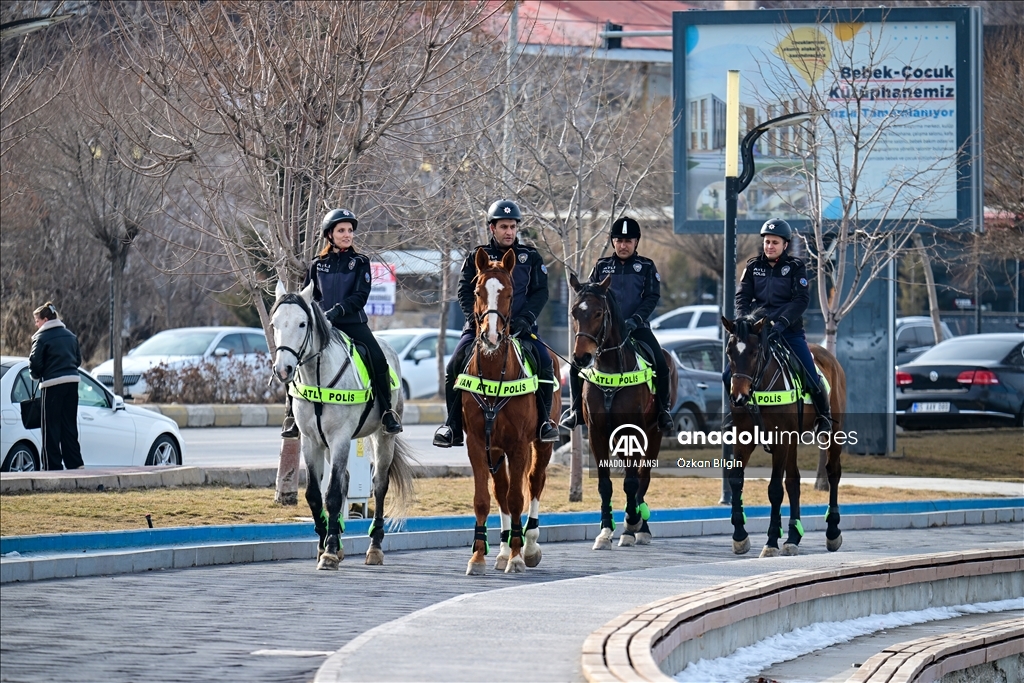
915 335
417 350
698 405
111 433
964 380
180 347
700 321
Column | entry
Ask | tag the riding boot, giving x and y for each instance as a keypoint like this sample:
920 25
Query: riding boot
665 422
823 423
574 415
450 433
388 417
548 432
289 429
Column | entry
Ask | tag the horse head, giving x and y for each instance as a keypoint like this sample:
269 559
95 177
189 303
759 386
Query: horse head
300 330
746 353
595 320
493 305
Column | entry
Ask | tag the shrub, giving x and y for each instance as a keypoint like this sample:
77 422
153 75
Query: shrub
221 380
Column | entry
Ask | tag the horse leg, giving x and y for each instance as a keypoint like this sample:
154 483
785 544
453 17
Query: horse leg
630 485
337 492
740 537
375 553
481 508
517 462
644 535
833 536
796 527
604 487
538 477
501 495
775 494
314 497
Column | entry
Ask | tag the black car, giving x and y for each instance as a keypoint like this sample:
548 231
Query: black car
964 380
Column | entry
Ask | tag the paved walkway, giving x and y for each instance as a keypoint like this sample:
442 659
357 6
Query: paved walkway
417 618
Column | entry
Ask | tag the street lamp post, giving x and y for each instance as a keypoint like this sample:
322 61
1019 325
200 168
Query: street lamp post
735 183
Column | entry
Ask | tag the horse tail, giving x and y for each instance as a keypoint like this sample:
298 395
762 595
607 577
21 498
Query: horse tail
400 476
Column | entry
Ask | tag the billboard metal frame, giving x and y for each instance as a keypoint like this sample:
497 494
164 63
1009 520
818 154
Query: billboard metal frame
968 31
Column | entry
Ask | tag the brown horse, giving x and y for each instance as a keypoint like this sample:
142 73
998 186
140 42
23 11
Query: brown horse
501 425
617 406
762 395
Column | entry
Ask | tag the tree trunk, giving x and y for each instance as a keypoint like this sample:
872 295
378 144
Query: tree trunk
576 438
118 260
933 295
442 332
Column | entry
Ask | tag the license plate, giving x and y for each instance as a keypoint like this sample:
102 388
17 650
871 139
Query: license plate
937 407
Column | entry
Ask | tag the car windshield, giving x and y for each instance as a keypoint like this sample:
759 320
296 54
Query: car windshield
397 340
176 344
4 369
966 348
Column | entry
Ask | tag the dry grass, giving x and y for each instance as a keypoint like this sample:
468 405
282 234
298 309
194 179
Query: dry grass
43 513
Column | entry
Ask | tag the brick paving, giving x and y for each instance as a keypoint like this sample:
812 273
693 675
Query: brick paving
203 624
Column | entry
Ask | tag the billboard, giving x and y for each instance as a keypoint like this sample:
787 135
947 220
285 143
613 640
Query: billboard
381 300
902 89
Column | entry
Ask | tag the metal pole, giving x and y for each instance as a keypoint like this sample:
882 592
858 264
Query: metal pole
508 148
732 139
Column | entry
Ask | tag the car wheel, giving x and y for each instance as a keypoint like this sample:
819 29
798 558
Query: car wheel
22 458
164 452
405 390
686 421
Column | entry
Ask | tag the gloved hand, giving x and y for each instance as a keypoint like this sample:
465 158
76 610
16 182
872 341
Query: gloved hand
521 326
776 332
631 325
336 312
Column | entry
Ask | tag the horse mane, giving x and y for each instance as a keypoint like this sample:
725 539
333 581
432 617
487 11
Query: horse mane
613 305
744 323
323 328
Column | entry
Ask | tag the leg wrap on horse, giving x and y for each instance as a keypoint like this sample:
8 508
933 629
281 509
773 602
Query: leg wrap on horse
604 488
630 485
480 534
516 532
796 532
377 531
532 523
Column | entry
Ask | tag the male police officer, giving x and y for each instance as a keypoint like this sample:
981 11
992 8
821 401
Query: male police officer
636 285
530 280
776 281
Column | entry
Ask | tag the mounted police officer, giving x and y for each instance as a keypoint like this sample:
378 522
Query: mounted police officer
776 281
636 285
341 283
530 279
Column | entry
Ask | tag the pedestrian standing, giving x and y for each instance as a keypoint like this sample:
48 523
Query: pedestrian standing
54 361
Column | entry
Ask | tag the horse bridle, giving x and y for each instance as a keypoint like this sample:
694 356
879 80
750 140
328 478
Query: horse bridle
599 342
305 340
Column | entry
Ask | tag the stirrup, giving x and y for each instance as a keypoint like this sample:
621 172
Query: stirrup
291 431
548 432
570 419
392 425
823 424
446 437
665 422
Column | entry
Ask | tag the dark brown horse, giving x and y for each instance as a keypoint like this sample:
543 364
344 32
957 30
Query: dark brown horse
500 418
620 410
762 396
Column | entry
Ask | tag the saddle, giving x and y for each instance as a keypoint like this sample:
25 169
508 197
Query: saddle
645 351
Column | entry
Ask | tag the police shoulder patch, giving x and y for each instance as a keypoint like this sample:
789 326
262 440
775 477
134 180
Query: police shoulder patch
543 269
367 276
803 282
657 276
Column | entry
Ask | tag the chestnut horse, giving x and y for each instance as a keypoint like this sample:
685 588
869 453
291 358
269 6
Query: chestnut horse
501 424
763 395
617 401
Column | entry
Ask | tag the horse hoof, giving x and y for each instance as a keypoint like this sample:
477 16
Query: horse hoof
532 559
501 562
790 549
741 547
516 565
643 538
476 568
603 540
374 556
769 551
328 561
627 540
834 544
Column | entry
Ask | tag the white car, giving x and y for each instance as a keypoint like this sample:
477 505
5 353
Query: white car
179 347
699 321
111 433
417 350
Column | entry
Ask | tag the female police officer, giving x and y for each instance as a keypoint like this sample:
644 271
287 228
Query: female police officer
637 288
341 283
777 282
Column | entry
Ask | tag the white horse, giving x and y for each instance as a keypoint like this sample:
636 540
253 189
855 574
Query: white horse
315 358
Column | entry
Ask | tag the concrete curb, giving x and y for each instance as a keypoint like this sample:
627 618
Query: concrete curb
297 541
255 415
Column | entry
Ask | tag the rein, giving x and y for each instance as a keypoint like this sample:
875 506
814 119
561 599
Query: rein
752 406
608 392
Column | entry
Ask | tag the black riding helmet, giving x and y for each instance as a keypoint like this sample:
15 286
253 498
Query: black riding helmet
777 227
625 228
503 208
337 216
